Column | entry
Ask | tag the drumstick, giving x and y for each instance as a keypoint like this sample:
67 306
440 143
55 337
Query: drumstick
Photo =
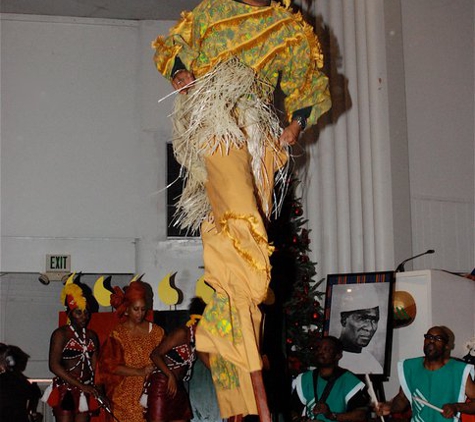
371 392
426 403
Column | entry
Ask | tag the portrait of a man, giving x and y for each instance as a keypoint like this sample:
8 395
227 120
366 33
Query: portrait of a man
359 319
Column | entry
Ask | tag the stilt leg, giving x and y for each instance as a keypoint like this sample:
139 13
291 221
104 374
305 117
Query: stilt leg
261 397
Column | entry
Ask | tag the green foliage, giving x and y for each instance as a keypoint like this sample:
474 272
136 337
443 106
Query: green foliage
293 282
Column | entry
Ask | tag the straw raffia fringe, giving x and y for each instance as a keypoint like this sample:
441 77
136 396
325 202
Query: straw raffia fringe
228 107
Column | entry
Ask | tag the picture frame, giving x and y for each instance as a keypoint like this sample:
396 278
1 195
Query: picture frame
358 311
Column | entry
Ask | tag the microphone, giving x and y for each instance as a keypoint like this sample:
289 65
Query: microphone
400 267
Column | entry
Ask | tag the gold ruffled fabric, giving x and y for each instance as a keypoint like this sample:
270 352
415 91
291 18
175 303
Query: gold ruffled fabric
273 41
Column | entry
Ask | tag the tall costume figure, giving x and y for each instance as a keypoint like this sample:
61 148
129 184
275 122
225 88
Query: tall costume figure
230 143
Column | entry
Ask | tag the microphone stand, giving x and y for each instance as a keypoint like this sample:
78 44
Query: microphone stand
400 267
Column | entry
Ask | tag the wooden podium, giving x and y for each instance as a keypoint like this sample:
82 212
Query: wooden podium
441 298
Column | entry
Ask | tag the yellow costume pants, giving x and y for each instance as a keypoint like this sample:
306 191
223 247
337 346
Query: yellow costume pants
236 257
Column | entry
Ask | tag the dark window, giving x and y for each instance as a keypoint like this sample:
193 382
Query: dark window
174 190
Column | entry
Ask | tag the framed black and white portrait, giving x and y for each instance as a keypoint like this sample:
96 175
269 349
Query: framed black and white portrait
357 311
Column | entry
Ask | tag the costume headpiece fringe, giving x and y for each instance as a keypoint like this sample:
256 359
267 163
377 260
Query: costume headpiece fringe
230 106
72 297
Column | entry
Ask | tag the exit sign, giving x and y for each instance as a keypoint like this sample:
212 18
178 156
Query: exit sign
58 263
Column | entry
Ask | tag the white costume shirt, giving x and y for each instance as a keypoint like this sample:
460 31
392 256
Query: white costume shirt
361 363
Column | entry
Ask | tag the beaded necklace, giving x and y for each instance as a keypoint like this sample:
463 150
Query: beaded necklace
79 344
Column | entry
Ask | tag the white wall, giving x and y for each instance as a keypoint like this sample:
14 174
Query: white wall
431 44
71 138
84 149
83 168
438 40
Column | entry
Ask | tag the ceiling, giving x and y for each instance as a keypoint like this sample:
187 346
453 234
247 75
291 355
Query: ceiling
104 9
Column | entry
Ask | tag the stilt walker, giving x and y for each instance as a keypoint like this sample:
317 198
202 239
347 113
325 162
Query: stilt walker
227 57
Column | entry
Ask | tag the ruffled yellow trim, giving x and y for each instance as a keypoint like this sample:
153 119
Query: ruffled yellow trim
314 44
261 36
164 57
314 47
315 51
184 27
253 229
272 53
237 20
158 42
247 45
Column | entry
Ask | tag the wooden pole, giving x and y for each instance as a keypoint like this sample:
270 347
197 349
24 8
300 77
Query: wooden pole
261 397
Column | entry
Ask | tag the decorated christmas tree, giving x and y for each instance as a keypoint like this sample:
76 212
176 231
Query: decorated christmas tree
293 281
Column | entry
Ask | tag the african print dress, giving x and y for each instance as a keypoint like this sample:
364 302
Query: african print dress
121 348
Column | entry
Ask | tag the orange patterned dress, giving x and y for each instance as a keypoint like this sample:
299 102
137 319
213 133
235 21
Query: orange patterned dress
121 348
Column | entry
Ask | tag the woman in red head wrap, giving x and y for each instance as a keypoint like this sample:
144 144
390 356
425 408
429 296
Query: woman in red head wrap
124 362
